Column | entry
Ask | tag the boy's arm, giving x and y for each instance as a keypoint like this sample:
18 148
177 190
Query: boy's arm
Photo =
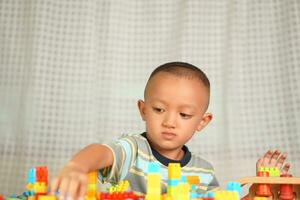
71 181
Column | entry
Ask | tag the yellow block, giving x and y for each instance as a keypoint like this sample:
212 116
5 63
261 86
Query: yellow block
47 197
226 195
153 184
173 191
152 197
29 186
92 178
92 187
184 191
40 187
260 198
174 171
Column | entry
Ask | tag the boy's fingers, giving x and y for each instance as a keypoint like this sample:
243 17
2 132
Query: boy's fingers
267 158
54 185
73 189
274 157
281 160
63 189
259 163
285 168
82 191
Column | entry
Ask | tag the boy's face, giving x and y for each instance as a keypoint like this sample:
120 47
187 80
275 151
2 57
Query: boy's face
174 108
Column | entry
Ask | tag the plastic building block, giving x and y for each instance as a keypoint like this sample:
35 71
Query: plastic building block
119 196
92 177
286 190
193 180
260 198
40 187
31 176
183 191
120 187
42 174
153 182
273 171
263 190
234 186
47 197
153 167
174 171
226 195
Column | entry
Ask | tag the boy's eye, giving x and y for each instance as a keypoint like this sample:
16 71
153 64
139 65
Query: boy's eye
185 116
158 110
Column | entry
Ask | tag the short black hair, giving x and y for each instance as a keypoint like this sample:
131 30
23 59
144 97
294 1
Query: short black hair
183 69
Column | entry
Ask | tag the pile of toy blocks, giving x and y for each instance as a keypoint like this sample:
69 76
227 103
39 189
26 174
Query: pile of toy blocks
184 188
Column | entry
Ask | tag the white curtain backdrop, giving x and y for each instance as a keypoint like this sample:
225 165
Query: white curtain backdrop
71 72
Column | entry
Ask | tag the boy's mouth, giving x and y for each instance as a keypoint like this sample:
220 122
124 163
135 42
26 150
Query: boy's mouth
168 135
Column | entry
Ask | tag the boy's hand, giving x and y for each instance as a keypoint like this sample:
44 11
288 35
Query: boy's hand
274 159
71 182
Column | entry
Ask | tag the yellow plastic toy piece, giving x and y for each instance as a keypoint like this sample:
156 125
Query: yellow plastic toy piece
92 187
260 198
174 171
273 171
47 197
92 178
29 186
154 184
226 195
184 191
122 186
166 197
40 187
90 198
153 187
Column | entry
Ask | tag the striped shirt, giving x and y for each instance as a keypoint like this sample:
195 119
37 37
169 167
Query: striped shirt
132 154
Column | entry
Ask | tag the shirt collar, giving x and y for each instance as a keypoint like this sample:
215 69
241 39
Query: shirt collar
165 161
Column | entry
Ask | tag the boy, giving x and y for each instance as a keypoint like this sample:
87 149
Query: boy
176 98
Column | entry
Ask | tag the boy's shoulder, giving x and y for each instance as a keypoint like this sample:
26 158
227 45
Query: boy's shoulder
135 139
133 136
198 161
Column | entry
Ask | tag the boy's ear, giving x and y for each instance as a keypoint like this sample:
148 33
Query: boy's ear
141 106
206 118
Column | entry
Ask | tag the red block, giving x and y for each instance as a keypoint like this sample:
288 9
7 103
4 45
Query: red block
263 189
286 190
42 174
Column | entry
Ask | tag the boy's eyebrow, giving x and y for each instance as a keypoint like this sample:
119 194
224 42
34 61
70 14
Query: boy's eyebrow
181 106
159 100
188 106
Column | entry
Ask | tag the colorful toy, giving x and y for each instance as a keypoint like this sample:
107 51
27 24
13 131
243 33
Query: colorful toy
284 187
266 185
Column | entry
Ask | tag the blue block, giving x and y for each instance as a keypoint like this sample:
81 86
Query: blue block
234 186
173 182
210 194
153 167
193 195
183 179
31 178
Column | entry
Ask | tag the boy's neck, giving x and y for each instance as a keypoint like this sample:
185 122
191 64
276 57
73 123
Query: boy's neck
182 156
172 154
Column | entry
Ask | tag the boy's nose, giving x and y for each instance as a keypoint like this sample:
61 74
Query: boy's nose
169 121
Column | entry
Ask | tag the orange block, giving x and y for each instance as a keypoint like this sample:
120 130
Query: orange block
193 180
92 177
